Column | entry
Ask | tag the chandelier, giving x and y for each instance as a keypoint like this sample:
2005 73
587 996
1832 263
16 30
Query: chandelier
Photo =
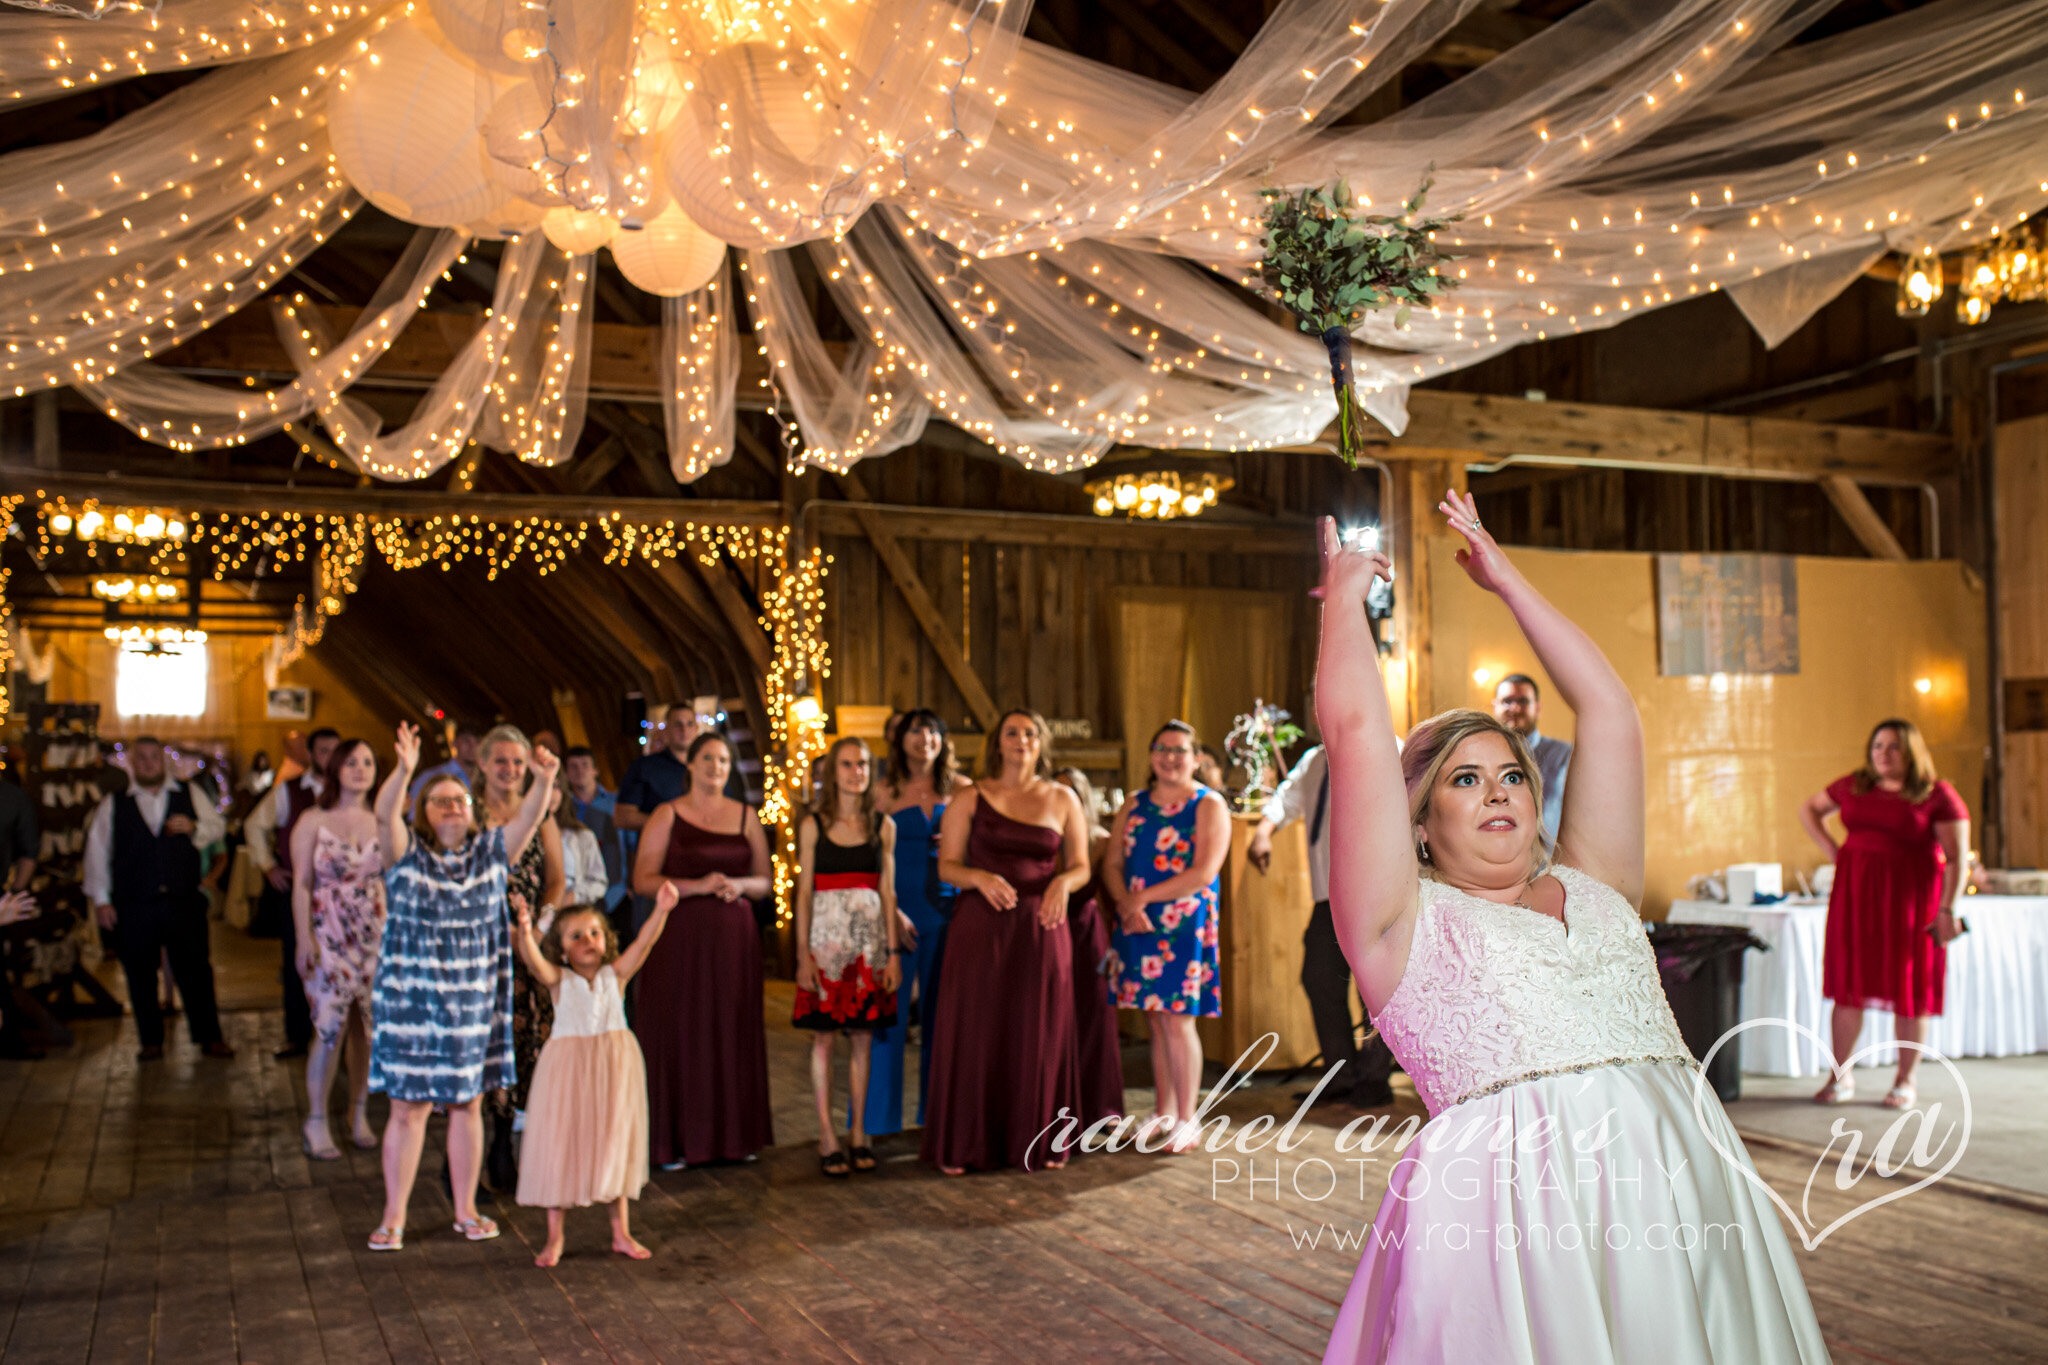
147 591
137 526
1160 494
140 639
2008 268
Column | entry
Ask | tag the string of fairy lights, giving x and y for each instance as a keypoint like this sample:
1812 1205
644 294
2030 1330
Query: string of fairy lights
89 534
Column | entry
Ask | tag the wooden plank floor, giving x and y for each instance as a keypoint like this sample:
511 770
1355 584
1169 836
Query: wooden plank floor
166 1213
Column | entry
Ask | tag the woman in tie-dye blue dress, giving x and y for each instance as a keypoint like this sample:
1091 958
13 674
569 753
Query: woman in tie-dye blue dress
443 999
442 1004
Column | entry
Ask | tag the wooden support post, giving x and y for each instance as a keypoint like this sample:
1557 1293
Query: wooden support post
929 618
1413 522
569 714
1863 519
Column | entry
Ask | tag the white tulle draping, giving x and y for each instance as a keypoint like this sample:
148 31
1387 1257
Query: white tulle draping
125 243
162 406
1015 233
50 53
700 374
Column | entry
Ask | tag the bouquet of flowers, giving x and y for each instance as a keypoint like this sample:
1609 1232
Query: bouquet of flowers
1331 266
1256 744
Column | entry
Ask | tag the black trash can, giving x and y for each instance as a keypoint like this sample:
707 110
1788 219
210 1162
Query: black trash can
1702 969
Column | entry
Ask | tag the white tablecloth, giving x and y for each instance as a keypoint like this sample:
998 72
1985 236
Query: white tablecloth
1997 993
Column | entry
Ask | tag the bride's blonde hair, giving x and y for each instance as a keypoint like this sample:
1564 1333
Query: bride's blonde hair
1430 746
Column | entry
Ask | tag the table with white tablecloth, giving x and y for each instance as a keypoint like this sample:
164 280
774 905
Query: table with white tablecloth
1997 990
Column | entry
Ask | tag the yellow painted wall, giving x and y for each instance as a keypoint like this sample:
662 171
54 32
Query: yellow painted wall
1730 758
235 711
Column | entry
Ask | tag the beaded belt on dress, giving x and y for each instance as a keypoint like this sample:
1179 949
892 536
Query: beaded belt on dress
1549 1071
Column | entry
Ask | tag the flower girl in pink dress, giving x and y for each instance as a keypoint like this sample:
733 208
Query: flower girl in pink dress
586 1113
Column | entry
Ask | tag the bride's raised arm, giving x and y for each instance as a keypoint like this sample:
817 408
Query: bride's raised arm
1601 832
1372 846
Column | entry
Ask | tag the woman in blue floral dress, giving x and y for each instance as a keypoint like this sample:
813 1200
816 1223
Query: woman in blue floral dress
1167 852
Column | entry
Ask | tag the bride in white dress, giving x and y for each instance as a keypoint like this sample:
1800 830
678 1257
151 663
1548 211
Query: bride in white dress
1564 1203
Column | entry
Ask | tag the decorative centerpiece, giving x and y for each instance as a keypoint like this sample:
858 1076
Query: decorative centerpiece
1256 744
1330 267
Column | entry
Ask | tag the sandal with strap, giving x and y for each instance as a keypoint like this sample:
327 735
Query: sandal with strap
833 1164
1900 1096
388 1239
863 1158
1838 1090
478 1229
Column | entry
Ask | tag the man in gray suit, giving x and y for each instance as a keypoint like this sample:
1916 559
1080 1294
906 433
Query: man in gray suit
1517 702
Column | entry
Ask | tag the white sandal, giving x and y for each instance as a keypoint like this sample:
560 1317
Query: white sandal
1901 1096
388 1239
1840 1089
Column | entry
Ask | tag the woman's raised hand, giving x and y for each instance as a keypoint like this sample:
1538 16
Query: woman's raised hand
1349 568
408 746
1481 558
544 764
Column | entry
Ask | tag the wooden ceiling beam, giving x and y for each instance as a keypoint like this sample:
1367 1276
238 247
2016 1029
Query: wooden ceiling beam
1489 428
1182 535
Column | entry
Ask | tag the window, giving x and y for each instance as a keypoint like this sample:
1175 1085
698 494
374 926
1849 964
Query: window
160 680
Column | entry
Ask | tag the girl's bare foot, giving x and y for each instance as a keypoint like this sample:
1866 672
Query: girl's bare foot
550 1255
952 1170
624 1244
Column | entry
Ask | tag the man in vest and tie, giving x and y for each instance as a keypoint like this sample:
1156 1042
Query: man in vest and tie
142 877
1325 975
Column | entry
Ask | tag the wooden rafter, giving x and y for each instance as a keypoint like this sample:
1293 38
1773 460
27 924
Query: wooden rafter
1869 527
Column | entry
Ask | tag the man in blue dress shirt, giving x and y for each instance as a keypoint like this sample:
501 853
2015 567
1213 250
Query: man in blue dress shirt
1517 702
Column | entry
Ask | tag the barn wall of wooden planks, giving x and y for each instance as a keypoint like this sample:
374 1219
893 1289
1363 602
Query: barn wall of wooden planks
1027 600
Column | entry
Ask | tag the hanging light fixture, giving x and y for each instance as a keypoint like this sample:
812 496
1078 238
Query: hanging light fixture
2008 268
124 525
1920 283
1160 494
128 588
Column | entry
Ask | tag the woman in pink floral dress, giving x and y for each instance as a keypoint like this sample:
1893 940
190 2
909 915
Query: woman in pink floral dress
338 900
1166 853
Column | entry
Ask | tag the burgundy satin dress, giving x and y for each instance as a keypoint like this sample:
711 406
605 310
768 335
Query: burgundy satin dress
698 1014
1099 1054
1003 1056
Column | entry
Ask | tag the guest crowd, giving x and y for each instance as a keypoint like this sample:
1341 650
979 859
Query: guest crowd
461 938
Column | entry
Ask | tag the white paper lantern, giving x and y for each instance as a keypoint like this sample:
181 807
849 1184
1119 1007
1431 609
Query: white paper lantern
403 121
671 256
780 99
578 231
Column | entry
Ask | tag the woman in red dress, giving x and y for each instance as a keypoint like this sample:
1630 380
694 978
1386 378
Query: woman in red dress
1003 1056
698 998
1891 913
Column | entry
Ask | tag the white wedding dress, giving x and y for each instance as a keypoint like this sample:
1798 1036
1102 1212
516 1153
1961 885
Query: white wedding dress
1563 1204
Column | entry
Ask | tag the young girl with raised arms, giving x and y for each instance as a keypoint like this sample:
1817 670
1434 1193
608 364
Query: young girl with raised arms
586 1114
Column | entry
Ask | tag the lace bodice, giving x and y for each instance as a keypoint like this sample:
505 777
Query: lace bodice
1496 994
584 1009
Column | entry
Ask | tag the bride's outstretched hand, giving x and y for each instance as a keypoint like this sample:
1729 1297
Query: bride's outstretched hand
1481 557
1348 568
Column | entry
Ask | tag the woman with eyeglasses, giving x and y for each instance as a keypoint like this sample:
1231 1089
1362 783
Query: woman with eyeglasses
1165 866
441 1009
1003 1060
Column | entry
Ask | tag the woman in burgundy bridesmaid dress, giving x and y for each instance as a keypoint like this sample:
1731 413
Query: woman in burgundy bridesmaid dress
698 1004
1100 1055
1003 1055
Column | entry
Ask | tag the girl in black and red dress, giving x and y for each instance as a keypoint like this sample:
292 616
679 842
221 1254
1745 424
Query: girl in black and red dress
846 968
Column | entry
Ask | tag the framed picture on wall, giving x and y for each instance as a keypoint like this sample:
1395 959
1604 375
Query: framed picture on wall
288 703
